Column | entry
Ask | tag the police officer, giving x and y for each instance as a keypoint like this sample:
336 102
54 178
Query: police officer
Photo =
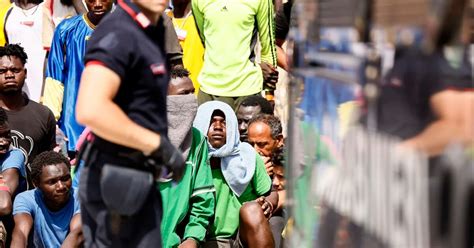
122 98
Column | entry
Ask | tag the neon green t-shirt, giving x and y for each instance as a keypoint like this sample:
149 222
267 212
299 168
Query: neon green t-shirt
226 29
226 220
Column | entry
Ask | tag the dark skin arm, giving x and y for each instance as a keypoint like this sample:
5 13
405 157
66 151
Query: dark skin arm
23 225
270 75
11 178
281 55
75 237
269 203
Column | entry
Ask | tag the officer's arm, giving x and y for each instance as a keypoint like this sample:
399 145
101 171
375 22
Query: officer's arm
23 224
95 108
454 123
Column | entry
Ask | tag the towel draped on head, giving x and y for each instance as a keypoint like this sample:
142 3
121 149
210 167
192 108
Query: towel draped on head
237 158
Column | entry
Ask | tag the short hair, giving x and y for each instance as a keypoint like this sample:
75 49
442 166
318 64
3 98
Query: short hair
179 72
272 121
45 159
3 117
14 50
256 100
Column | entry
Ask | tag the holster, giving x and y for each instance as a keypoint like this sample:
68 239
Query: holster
125 190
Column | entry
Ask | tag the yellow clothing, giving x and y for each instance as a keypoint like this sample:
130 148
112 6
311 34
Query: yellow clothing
190 41
4 7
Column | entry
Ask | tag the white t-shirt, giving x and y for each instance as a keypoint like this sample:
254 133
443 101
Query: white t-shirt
24 27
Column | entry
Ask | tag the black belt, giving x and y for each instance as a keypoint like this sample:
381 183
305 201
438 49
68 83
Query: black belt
100 149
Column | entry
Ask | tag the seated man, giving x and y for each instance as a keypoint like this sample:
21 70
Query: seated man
189 206
240 180
12 176
50 210
249 108
265 135
266 138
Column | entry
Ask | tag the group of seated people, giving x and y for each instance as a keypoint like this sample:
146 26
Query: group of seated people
232 193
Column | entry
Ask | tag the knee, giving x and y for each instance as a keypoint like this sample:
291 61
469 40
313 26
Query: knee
251 214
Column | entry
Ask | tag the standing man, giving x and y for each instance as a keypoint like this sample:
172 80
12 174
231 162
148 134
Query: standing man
230 71
65 66
122 98
188 35
33 125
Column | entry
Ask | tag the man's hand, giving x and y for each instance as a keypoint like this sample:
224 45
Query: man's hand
189 243
270 75
267 207
170 157
268 165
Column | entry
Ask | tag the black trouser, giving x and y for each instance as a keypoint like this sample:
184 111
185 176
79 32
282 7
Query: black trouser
103 228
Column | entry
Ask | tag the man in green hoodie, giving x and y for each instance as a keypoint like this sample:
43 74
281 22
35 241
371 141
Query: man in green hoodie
188 206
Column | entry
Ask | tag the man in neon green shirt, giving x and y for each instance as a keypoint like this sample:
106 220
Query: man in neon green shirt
189 206
244 200
227 31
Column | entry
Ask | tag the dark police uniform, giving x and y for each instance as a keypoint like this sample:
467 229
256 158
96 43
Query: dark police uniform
127 43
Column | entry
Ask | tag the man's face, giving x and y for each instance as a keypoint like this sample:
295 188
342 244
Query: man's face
180 86
217 134
279 179
244 114
5 138
12 74
99 7
151 6
260 137
55 183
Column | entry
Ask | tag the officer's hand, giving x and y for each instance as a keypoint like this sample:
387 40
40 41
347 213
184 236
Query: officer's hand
170 157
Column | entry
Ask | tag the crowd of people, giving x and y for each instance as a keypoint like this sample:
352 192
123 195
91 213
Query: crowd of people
191 75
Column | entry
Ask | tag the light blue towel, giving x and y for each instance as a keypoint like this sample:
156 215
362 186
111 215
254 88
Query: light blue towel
237 158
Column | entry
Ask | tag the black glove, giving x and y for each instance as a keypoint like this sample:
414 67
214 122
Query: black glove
167 156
